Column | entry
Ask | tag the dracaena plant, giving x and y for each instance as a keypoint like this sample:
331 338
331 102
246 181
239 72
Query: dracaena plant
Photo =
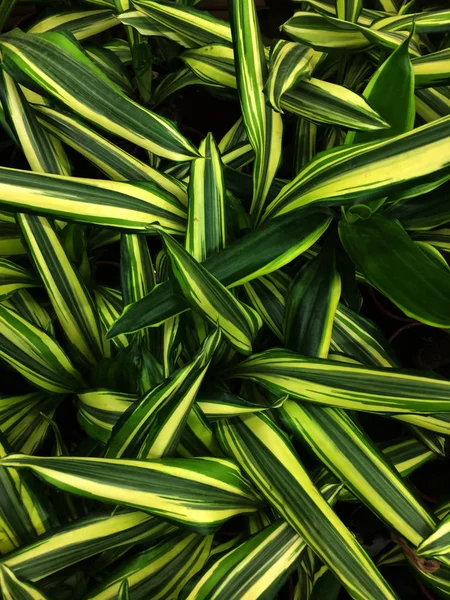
192 391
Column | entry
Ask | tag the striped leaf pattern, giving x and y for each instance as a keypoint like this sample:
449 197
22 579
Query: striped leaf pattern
14 589
263 125
283 239
56 63
125 205
207 296
36 355
206 232
327 178
289 62
81 540
381 488
70 298
349 386
198 493
311 306
268 458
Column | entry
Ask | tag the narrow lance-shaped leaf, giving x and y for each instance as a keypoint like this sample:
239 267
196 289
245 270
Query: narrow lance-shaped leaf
264 125
30 432
397 267
14 277
107 203
356 462
314 99
124 591
160 571
311 306
80 23
348 10
391 93
56 64
210 299
112 67
268 458
109 306
344 175
114 161
24 303
289 63
99 410
205 232
198 437
199 27
82 539
14 589
348 386
200 494
24 515
70 298
262 251
36 355
136 271
305 143
327 33
152 427
432 69
246 571
43 153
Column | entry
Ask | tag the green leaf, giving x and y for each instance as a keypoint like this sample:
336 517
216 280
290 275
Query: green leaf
262 251
112 67
311 306
99 410
24 514
109 304
124 593
43 153
332 435
36 355
160 571
289 63
14 589
390 92
82 539
347 174
95 201
13 278
57 65
327 33
358 337
70 298
211 300
198 438
199 27
32 310
318 100
80 23
268 458
432 104
137 272
349 386
198 493
432 69
152 427
397 267
348 10
264 126
305 143
116 163
206 232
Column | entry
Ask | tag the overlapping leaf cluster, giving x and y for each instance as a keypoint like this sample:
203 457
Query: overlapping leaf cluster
157 432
